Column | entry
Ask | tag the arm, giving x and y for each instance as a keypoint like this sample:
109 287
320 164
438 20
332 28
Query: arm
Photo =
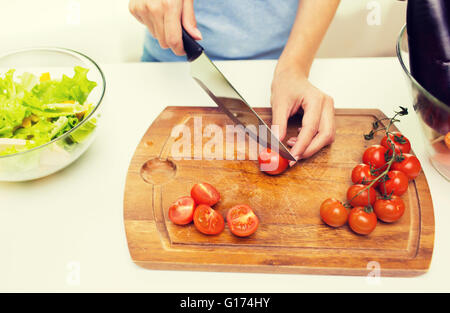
291 89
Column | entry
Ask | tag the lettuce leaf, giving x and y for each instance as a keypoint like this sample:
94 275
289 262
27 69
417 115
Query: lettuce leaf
40 111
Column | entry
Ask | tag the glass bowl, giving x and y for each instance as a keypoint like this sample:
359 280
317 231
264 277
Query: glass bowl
434 115
55 155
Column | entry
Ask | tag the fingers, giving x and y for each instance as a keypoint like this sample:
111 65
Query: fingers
188 20
172 28
280 116
135 10
163 19
310 125
158 25
327 129
291 141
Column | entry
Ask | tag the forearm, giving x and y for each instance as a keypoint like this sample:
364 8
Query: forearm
310 26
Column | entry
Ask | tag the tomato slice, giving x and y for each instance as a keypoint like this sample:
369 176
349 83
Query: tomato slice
205 193
208 221
242 221
182 210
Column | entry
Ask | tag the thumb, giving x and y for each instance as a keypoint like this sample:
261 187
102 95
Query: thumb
279 119
188 20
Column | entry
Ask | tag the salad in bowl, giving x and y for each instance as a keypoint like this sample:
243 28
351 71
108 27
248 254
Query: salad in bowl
47 118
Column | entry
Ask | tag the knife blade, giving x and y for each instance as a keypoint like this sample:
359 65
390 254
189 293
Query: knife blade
216 85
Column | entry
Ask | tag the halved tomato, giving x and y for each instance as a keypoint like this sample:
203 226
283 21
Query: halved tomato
208 221
242 221
205 193
182 210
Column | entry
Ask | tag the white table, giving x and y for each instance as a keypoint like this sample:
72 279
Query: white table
72 222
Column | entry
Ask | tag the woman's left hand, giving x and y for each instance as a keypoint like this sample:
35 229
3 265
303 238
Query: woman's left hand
291 90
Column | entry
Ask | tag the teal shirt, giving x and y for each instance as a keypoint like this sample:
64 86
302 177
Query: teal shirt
236 29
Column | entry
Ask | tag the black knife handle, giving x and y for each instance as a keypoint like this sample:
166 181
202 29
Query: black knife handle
192 48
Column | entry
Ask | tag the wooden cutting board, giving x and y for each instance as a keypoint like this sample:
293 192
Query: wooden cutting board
291 237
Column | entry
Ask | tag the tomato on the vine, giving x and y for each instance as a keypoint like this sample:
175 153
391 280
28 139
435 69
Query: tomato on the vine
362 174
396 183
357 197
208 221
205 193
333 213
410 166
271 162
401 143
182 210
376 157
242 221
362 220
389 210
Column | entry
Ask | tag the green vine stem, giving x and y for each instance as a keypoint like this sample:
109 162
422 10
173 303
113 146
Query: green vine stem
375 128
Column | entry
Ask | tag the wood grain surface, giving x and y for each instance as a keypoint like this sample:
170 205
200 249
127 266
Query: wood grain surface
291 237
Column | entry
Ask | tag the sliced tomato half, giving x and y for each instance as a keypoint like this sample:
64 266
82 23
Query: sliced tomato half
242 221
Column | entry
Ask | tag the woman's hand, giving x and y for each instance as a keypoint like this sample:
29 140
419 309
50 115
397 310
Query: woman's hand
163 19
291 90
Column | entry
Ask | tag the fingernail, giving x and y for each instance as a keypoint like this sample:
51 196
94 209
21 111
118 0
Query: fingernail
292 163
198 33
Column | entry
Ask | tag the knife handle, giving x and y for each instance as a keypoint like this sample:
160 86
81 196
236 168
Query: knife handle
192 48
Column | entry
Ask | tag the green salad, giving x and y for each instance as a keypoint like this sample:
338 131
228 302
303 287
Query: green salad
35 110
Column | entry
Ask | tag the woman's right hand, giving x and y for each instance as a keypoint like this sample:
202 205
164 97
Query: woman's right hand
163 19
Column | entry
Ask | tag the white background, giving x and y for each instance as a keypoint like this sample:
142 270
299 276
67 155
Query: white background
76 215
74 218
106 31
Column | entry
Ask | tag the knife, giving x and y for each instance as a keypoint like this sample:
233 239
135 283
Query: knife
208 76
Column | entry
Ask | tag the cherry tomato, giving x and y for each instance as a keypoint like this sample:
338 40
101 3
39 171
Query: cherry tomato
363 198
410 166
375 156
182 210
242 221
333 213
208 221
397 184
389 210
361 174
401 143
362 221
271 162
447 140
205 193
